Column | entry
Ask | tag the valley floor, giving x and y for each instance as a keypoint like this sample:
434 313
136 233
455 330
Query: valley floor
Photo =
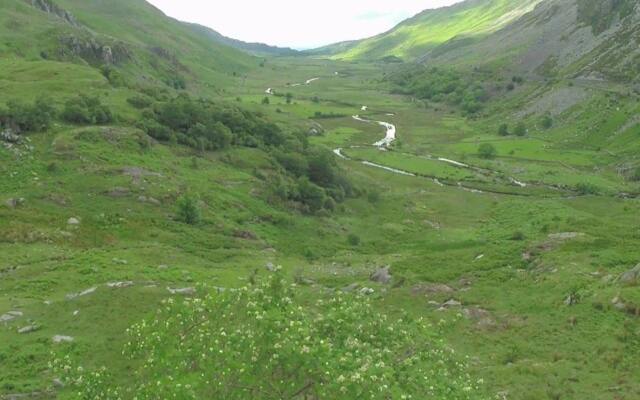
518 266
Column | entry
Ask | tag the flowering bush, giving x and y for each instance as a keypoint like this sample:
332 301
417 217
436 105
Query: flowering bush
261 342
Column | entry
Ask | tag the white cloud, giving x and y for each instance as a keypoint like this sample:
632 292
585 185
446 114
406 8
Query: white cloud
297 23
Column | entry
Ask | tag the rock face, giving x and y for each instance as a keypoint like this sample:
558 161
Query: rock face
50 7
9 136
382 275
631 277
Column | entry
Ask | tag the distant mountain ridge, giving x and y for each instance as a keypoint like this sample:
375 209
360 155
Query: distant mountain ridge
413 37
257 49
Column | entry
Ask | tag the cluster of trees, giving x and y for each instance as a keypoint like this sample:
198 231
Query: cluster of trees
39 115
519 130
307 176
27 117
442 86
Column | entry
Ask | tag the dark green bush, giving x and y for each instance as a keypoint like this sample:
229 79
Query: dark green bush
23 117
188 210
487 151
85 109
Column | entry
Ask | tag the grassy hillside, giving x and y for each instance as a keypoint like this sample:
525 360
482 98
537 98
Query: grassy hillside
577 38
414 37
141 42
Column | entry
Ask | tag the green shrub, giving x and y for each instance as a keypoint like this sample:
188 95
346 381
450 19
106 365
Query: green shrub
487 151
503 130
140 102
520 129
270 341
188 210
85 109
353 239
586 188
547 122
23 117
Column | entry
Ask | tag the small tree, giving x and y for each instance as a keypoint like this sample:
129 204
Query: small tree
547 121
353 239
289 97
487 151
503 130
188 210
266 101
270 340
520 129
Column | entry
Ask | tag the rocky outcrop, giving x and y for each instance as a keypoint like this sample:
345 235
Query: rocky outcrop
50 7
93 51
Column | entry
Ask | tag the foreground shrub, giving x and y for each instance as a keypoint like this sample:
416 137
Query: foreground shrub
24 117
260 342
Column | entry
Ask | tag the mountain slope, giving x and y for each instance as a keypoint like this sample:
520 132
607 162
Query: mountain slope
415 36
258 49
577 38
138 39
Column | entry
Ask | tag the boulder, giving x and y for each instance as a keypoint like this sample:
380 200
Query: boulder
367 291
382 275
271 267
13 203
120 285
28 329
73 221
631 277
186 291
62 339
10 316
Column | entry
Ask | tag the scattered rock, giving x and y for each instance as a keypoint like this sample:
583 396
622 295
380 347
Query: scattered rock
119 261
73 221
62 339
72 296
270 267
565 235
186 291
118 192
10 316
382 275
14 203
436 288
120 285
247 235
57 383
618 303
571 300
163 267
76 312
451 304
482 317
366 291
631 277
351 287
28 329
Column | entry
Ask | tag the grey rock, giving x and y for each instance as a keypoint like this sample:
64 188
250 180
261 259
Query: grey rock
270 267
72 296
10 316
57 383
120 285
185 291
451 303
351 287
119 261
382 275
367 291
73 221
28 329
62 339
631 277
14 203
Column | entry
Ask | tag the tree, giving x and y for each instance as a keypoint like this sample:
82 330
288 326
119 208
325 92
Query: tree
266 101
520 129
547 121
188 210
269 340
487 151
289 97
503 130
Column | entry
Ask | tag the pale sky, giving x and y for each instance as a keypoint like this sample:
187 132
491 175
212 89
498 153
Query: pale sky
300 24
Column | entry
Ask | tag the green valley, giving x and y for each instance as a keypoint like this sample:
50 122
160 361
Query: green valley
449 210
